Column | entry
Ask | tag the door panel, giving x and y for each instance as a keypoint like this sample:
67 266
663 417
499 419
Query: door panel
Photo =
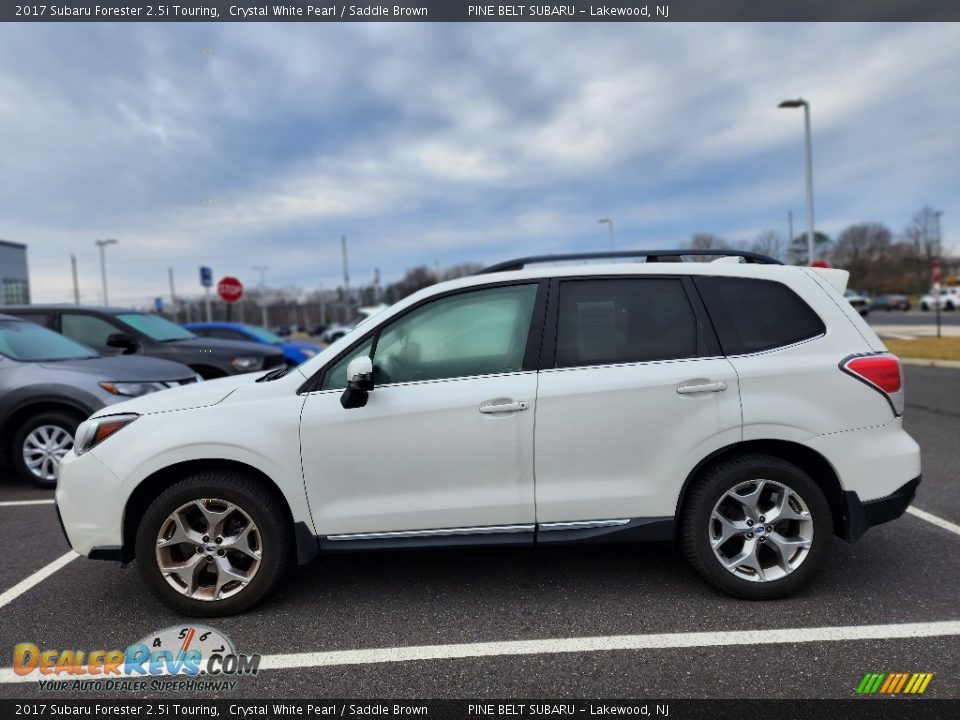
421 456
445 439
634 397
619 441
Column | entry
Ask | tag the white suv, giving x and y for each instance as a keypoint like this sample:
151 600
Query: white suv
948 299
742 409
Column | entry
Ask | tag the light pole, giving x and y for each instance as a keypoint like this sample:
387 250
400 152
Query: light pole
609 223
262 269
103 264
800 102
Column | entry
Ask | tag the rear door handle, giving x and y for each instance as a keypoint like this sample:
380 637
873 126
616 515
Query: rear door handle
701 388
495 407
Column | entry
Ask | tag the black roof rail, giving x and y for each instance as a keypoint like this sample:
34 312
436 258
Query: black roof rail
650 255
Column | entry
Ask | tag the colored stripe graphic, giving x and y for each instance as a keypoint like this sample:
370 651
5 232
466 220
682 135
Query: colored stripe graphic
894 683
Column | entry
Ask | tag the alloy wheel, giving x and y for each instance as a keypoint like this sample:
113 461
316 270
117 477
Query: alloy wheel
761 530
208 549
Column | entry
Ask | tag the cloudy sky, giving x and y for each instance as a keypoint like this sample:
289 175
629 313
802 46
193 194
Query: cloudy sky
236 146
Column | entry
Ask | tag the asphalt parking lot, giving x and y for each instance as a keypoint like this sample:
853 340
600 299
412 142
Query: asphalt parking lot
640 623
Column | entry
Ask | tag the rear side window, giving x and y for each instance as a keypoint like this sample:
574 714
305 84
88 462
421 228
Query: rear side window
751 315
611 321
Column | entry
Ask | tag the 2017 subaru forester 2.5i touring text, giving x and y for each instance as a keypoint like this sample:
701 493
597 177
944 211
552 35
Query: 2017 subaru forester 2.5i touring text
742 409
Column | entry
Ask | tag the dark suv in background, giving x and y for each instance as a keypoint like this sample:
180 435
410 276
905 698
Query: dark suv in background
111 331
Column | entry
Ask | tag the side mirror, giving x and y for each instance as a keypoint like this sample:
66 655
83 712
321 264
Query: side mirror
122 341
359 383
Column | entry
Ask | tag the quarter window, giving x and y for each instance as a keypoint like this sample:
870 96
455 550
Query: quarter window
751 315
624 320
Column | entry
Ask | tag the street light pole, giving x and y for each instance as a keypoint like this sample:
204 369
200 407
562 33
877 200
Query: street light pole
800 102
76 286
262 269
609 223
103 264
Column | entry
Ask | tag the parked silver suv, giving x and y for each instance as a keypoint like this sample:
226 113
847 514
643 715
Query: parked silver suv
49 384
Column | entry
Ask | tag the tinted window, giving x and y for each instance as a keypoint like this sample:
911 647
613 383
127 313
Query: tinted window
223 333
624 320
752 315
87 329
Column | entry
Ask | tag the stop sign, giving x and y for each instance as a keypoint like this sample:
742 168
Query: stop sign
230 289
935 271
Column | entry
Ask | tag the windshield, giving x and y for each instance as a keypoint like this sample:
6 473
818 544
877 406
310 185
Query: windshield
263 334
28 342
155 327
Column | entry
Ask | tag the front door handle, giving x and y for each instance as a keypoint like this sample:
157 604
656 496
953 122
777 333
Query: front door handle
496 407
701 388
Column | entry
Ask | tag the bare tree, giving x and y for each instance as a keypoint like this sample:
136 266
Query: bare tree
864 250
769 243
923 236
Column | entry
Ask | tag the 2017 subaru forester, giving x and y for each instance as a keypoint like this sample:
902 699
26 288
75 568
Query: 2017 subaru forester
743 409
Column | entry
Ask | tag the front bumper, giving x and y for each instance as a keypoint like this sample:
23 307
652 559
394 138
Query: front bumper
863 515
89 504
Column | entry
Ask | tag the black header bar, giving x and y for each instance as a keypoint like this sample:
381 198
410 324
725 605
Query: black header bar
462 11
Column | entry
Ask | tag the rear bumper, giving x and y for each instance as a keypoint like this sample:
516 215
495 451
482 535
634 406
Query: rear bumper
863 515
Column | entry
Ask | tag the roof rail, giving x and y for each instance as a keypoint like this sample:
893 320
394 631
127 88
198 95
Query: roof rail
650 255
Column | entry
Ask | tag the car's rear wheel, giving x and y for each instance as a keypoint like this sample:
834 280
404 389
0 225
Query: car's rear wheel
756 527
40 444
214 544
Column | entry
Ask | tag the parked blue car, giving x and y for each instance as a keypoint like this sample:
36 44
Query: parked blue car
294 350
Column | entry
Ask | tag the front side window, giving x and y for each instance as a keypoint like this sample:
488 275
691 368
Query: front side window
627 320
481 332
87 329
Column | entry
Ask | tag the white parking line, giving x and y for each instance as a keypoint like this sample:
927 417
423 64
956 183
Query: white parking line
11 503
8 596
738 638
931 518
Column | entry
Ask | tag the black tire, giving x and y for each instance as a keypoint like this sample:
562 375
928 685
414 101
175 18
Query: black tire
712 485
253 498
924 307
63 419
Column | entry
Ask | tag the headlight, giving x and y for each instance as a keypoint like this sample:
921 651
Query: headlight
134 389
94 431
247 364
308 352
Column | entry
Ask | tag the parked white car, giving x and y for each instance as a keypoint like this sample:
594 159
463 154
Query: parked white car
744 410
337 330
948 298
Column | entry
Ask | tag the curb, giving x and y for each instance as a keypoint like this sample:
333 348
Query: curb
927 362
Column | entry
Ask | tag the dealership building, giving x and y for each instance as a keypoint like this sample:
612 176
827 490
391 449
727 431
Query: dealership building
14 283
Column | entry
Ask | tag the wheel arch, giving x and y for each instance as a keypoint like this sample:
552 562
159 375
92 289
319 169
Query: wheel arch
18 415
807 459
153 485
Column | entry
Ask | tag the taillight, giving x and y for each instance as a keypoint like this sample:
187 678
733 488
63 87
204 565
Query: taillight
881 372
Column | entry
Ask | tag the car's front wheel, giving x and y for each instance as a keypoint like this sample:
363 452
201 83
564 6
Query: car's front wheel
40 444
214 544
756 527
